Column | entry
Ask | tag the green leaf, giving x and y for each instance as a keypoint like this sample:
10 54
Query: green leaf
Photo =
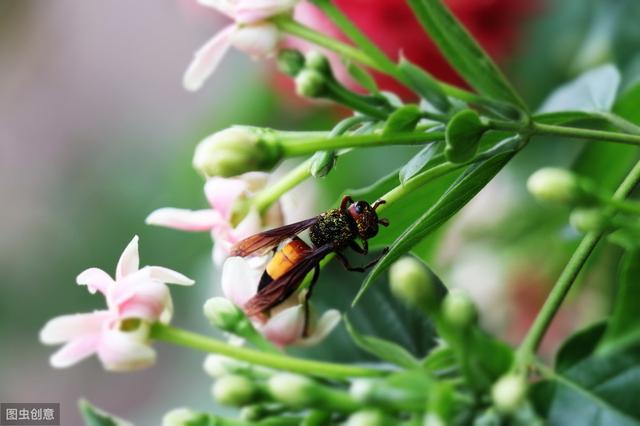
462 51
579 346
564 117
440 358
463 135
418 162
403 119
624 323
95 417
455 197
424 84
362 77
598 391
383 349
594 90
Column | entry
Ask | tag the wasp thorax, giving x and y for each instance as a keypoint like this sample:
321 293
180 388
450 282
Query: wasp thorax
366 219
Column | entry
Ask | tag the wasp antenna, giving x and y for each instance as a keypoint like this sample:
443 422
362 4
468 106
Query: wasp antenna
383 222
378 203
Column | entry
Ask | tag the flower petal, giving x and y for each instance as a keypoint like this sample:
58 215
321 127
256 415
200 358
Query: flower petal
257 40
206 59
222 193
250 11
329 320
74 351
68 327
184 219
285 328
239 280
129 260
147 301
169 276
125 350
226 7
95 279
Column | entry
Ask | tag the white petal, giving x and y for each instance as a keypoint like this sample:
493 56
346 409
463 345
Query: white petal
222 193
251 224
248 11
125 350
129 260
95 279
285 328
223 6
329 320
67 327
206 59
184 219
239 280
258 40
169 276
74 351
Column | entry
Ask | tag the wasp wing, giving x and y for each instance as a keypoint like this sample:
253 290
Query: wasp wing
280 289
261 243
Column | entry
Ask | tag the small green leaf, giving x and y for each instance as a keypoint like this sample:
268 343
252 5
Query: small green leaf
463 135
418 162
403 119
440 358
383 349
95 417
361 76
579 346
462 51
424 84
455 197
624 323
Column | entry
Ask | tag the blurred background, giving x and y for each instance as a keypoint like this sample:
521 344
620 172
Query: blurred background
96 131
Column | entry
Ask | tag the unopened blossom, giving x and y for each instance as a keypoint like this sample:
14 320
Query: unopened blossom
285 324
250 32
222 195
118 335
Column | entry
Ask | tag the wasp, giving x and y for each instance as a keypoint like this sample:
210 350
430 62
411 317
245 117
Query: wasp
333 231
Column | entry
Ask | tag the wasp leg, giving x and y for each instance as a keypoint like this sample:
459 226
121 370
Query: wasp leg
362 250
345 200
362 268
314 280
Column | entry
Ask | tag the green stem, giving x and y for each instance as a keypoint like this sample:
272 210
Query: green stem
574 132
568 276
309 146
189 339
265 198
623 205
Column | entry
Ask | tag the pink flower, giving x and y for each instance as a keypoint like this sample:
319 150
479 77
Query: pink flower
222 194
284 327
250 32
117 335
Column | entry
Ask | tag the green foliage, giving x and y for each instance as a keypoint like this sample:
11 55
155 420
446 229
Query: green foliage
93 416
403 119
424 84
463 135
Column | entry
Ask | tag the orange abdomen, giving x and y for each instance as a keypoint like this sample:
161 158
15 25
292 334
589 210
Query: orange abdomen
286 258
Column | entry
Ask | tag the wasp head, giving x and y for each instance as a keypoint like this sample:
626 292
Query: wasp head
366 219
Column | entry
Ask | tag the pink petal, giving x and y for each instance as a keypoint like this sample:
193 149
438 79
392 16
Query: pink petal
125 350
169 276
239 280
95 279
325 325
74 351
147 301
285 328
68 327
257 40
226 7
129 260
183 219
250 11
206 59
222 193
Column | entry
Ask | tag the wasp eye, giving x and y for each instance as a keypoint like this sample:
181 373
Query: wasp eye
359 207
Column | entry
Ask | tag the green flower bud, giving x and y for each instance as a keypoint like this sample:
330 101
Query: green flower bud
588 219
223 313
458 309
310 83
368 417
292 389
556 185
463 134
411 282
234 390
314 60
322 162
509 393
181 417
237 150
432 419
362 390
290 61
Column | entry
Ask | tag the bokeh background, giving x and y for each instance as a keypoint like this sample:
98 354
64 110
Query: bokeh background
96 132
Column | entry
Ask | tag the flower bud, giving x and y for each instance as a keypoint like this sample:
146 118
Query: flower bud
310 83
234 390
322 162
237 150
181 417
588 219
315 60
254 412
411 282
362 390
508 393
368 417
223 313
292 389
290 61
432 419
556 185
458 309
217 366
